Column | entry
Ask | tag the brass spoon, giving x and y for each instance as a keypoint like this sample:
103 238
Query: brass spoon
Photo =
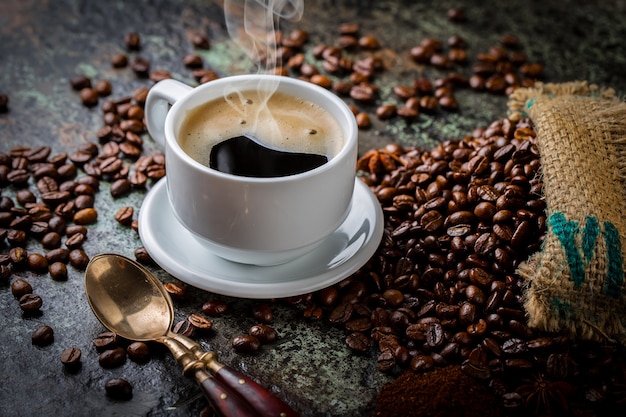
131 302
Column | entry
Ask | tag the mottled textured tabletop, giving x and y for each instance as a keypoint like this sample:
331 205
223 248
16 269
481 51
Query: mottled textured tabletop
45 43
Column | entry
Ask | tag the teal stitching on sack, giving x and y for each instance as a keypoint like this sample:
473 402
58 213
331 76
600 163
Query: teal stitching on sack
590 236
566 230
615 273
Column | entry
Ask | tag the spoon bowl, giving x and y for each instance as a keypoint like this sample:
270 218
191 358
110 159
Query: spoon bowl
131 302
127 299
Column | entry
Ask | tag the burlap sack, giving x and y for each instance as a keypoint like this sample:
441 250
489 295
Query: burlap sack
575 284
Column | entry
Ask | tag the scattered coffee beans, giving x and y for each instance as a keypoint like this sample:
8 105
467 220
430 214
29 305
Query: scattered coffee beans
70 358
138 352
132 40
264 333
246 343
21 287
58 271
176 290
215 308
263 313
200 323
43 336
119 389
112 358
4 103
105 341
30 303
124 215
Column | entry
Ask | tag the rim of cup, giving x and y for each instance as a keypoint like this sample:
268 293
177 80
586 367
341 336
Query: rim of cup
349 129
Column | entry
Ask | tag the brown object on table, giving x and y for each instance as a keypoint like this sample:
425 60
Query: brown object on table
441 393
576 282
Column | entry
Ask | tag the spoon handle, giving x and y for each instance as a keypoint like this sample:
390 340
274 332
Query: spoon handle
224 402
262 401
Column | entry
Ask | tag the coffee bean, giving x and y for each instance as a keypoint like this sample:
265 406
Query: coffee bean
57 224
43 336
138 179
120 187
20 287
70 358
200 41
321 80
200 322
103 88
21 223
105 341
362 93
79 82
263 313
132 149
89 97
422 363
51 240
185 328
30 303
18 177
176 290
110 165
16 238
119 60
58 271
119 389
393 297
57 255
138 352
142 256
342 313
363 120
215 308
132 40
246 343
4 103
75 241
85 216
140 66
78 258
5 273
124 215
37 262
112 358
386 111
264 333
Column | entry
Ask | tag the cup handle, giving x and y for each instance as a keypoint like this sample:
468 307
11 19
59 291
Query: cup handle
160 97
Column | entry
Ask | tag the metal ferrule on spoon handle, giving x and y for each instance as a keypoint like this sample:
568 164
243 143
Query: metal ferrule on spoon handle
259 398
224 401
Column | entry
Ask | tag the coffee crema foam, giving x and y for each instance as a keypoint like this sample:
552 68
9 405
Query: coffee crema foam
282 122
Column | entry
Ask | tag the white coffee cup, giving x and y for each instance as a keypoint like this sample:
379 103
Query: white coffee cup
261 221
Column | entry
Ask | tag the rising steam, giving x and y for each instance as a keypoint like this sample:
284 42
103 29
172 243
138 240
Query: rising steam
253 24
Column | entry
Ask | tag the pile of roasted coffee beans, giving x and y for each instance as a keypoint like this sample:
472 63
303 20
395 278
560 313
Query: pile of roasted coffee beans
442 288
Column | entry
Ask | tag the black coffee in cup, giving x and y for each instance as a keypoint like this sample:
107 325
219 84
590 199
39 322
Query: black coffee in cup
245 156
250 134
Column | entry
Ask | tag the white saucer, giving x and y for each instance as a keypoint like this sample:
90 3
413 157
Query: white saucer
182 255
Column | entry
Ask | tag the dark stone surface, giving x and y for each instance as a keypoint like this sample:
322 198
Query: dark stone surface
45 43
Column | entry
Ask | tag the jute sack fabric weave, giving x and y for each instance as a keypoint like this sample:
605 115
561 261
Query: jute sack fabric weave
575 284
